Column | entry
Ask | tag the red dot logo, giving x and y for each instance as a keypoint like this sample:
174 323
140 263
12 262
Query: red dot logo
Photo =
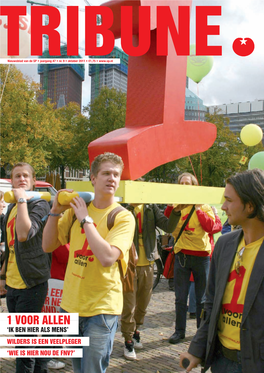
243 46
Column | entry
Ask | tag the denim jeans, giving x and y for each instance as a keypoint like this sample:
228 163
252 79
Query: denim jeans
28 301
192 298
222 364
101 330
183 266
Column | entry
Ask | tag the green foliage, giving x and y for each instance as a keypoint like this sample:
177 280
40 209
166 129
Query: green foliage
71 149
28 130
213 166
38 134
106 113
165 173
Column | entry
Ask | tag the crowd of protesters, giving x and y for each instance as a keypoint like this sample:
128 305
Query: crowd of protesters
31 231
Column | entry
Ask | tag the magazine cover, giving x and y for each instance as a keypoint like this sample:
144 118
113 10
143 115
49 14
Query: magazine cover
164 88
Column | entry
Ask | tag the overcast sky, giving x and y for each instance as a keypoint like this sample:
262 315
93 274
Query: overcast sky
232 78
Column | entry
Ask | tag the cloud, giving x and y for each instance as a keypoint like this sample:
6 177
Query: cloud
234 78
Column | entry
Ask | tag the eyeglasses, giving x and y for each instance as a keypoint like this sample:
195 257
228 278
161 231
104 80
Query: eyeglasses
239 259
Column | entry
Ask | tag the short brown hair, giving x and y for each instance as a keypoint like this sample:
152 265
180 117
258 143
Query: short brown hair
106 157
1 195
193 178
23 164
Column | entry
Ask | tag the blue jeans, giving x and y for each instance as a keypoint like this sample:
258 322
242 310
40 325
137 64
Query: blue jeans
28 301
222 364
183 266
101 330
192 301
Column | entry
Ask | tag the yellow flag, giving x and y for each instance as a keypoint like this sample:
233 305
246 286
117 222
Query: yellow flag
243 160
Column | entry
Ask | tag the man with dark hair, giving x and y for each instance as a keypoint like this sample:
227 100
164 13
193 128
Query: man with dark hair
92 284
231 335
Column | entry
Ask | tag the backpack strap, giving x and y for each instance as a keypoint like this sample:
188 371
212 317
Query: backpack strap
112 215
110 223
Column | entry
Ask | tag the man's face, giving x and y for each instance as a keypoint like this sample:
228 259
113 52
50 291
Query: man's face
22 178
186 180
234 208
107 179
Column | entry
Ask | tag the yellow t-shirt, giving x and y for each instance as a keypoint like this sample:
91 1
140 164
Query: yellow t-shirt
234 296
193 237
89 288
13 278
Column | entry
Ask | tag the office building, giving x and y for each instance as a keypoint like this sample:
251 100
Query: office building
194 107
109 75
241 113
62 83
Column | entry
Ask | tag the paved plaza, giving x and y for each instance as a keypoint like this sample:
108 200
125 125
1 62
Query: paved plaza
157 356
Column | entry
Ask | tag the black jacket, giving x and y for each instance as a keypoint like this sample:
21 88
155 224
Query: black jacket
33 264
204 342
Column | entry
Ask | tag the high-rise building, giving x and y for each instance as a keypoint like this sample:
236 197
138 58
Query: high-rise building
109 75
62 83
241 113
115 76
194 107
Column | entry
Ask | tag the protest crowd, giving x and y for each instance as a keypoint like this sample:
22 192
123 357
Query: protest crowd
95 243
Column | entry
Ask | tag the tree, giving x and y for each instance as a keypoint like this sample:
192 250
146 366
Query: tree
106 113
213 166
29 131
165 173
71 149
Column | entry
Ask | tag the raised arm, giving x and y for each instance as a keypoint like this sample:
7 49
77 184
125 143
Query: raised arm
50 240
107 254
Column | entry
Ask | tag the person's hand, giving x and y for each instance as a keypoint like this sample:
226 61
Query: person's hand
20 193
57 208
3 290
79 207
180 207
214 210
193 361
197 207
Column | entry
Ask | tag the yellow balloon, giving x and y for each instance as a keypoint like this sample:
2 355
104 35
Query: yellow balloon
251 134
198 66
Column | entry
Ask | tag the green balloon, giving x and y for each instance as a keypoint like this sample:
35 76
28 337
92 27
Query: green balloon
256 161
198 66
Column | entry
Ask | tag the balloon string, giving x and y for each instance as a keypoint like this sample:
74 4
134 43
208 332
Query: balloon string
193 168
4 83
201 169
198 101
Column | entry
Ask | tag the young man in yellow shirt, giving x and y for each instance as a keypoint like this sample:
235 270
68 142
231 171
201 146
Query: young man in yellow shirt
92 285
231 335
26 270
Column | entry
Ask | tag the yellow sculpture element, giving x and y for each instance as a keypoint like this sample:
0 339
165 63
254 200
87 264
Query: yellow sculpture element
10 198
148 192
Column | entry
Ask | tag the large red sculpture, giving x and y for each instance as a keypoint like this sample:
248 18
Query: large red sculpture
155 131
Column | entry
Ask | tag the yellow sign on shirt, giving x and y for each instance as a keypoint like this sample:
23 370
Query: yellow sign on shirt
234 296
89 288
